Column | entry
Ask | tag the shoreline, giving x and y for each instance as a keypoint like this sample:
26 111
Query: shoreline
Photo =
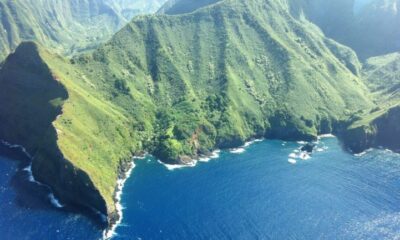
109 232
213 155
52 198
128 167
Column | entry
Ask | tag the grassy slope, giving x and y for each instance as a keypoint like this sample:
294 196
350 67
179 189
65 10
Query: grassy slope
187 65
378 127
65 26
90 134
382 75
179 86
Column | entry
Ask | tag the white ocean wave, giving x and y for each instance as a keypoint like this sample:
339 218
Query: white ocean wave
55 201
237 150
9 145
242 149
326 136
292 161
31 178
172 167
110 232
141 157
213 155
247 144
321 149
363 153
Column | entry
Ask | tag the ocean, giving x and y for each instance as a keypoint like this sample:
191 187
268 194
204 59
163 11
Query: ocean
267 190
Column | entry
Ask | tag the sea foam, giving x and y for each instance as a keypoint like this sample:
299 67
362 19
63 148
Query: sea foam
292 161
214 155
237 150
363 153
110 232
326 136
53 200
242 149
172 167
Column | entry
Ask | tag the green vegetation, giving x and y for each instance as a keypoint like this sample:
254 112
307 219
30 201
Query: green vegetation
382 75
66 26
177 86
379 126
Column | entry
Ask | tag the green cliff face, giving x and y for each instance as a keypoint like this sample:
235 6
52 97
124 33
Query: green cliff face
378 127
178 87
65 26
35 105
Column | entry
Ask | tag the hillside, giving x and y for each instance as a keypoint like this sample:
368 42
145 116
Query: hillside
378 128
65 26
382 75
173 7
178 87
370 28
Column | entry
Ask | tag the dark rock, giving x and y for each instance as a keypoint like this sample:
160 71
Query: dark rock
309 147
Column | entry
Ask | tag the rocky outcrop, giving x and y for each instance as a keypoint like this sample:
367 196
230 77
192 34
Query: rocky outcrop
30 100
383 131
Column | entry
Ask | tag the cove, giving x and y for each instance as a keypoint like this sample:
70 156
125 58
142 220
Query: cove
260 195
254 193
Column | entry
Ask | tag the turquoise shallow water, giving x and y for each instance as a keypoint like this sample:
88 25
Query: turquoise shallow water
254 195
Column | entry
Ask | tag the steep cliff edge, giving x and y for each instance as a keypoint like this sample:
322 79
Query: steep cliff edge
381 131
35 102
177 87
380 126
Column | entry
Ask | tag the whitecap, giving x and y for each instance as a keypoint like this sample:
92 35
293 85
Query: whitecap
55 201
319 149
242 149
302 142
141 157
326 136
292 161
293 155
28 169
110 232
363 153
204 159
237 150
247 144
9 145
172 167
215 154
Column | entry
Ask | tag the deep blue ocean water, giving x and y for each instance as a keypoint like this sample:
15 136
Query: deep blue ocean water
254 195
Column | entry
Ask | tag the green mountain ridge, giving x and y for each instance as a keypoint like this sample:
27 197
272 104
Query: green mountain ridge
180 86
173 7
65 26
370 31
